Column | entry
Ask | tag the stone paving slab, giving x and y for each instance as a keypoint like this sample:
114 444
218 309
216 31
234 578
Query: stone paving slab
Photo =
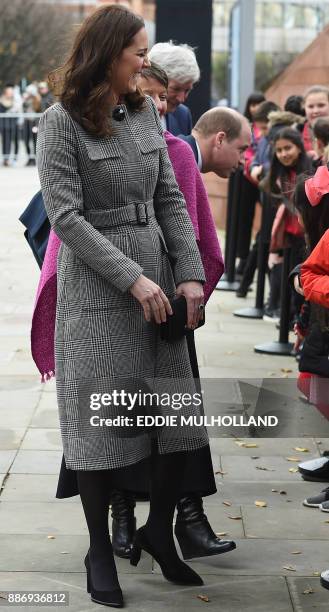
42 439
37 462
286 523
151 592
11 439
245 468
318 600
65 553
245 493
6 459
33 488
45 417
47 518
266 447
265 557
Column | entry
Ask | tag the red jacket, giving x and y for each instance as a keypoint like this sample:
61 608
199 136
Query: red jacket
315 273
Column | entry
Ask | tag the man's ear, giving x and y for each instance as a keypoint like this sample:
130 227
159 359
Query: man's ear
220 136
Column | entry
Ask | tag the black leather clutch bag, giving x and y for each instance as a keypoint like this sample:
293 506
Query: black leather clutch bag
174 328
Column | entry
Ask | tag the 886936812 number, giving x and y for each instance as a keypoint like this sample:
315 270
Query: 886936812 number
37 598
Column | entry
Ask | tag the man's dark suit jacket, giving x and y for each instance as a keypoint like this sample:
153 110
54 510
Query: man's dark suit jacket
180 121
192 142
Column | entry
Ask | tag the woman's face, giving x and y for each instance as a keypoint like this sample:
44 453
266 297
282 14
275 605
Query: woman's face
253 108
287 152
316 105
158 93
126 70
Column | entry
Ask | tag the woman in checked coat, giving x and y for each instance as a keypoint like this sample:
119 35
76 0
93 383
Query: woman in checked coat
128 247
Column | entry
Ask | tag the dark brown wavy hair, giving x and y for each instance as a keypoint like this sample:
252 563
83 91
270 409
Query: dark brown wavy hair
83 84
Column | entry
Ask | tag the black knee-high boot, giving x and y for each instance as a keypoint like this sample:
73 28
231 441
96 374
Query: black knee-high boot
102 578
156 537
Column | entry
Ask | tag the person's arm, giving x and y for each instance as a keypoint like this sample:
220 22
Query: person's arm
63 197
173 218
315 273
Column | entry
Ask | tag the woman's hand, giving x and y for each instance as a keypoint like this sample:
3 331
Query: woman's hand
297 286
152 299
193 292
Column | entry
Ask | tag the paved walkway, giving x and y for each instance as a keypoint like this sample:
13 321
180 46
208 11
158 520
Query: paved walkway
43 540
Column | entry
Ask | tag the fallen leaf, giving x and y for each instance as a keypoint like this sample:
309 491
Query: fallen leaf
229 353
271 373
308 591
326 521
260 504
290 568
51 537
203 598
221 534
274 491
293 470
260 467
283 492
284 375
246 444
319 442
300 449
220 472
295 552
286 370
227 503
316 574
295 459
235 518
254 457
65 552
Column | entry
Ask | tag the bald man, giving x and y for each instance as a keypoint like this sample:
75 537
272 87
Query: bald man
219 141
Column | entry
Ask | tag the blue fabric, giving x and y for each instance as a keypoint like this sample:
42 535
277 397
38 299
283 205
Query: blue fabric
263 155
180 121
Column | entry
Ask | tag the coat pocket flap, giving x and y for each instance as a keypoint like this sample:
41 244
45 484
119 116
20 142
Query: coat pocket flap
152 143
103 149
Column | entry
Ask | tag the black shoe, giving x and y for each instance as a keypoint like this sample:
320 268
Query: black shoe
113 598
194 533
31 162
175 571
241 292
123 523
315 470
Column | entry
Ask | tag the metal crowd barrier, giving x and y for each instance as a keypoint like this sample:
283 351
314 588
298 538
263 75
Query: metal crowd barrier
18 137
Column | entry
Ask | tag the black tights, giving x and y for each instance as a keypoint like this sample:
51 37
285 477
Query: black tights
95 489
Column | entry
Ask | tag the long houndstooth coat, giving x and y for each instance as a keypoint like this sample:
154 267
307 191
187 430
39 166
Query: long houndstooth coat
115 204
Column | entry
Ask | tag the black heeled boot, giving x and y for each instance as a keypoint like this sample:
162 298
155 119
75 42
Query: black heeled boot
123 523
173 569
194 533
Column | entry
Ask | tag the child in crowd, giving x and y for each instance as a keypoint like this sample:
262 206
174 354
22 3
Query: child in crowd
321 134
312 203
316 103
289 161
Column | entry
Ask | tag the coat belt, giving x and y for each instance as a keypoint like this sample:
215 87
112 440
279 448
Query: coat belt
137 213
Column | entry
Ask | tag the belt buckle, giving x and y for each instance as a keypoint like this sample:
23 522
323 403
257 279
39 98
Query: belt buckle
144 219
